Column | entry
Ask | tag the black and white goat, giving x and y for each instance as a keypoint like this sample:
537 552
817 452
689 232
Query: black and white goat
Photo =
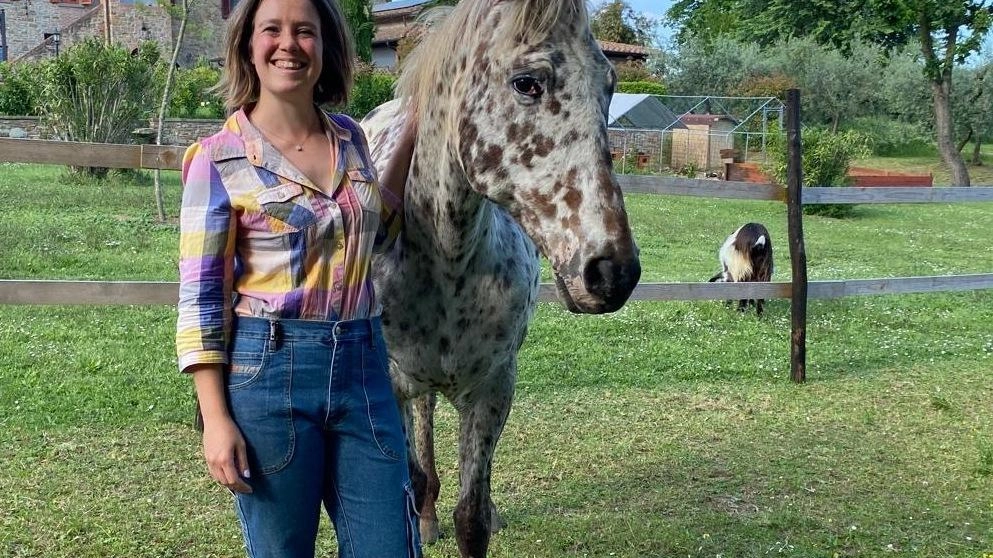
746 256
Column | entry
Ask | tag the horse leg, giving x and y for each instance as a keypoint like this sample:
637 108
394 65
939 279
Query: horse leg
482 417
423 408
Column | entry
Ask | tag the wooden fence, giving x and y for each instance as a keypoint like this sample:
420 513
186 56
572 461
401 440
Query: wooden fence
799 290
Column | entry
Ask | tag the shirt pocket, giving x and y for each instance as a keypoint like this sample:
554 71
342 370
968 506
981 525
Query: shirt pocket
366 190
287 207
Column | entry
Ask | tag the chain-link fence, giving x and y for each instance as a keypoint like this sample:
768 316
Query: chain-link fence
690 136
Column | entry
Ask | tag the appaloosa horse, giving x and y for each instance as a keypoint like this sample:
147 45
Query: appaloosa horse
511 160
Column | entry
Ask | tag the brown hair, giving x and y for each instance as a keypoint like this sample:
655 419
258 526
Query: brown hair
239 83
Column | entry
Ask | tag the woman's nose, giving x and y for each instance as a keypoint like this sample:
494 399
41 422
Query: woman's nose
288 42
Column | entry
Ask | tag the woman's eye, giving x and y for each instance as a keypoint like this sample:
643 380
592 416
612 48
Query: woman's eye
529 86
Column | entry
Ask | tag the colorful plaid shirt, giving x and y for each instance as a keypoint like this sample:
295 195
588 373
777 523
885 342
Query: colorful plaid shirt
258 238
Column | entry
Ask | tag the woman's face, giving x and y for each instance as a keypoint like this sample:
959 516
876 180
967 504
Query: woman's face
286 49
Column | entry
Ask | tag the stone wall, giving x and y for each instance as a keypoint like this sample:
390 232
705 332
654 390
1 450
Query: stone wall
14 126
177 131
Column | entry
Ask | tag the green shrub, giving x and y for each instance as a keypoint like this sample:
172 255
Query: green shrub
20 89
192 96
97 93
774 85
826 158
650 87
892 138
372 88
631 70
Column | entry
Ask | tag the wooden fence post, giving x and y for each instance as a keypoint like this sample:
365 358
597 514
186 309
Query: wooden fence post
798 255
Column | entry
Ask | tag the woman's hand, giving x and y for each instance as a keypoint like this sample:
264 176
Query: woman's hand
223 445
224 450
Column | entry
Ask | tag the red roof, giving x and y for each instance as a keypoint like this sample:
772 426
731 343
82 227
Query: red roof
609 47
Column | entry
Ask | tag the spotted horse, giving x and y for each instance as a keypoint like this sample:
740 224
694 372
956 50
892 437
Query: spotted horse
511 161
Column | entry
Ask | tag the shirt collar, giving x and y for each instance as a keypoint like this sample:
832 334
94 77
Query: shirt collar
256 149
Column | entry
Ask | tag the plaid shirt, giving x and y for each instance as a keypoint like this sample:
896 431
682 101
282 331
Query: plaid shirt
258 238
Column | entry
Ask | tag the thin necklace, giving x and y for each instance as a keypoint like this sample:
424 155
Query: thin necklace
296 145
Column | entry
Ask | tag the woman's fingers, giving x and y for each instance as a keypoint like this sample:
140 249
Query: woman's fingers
226 455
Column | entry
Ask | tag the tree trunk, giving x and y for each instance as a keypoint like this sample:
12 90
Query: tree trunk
965 140
166 93
945 133
977 159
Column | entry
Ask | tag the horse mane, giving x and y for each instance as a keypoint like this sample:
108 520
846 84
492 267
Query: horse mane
445 29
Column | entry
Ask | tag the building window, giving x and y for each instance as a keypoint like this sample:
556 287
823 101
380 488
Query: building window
227 6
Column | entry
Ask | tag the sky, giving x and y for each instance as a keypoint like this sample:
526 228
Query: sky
655 9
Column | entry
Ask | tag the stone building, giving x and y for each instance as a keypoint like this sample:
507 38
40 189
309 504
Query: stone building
36 29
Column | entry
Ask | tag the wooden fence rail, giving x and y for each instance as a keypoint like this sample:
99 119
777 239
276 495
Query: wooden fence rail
108 155
27 292
55 292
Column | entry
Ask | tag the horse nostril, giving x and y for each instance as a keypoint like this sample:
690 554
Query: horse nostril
612 280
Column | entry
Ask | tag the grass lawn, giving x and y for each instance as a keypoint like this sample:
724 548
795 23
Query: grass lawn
665 429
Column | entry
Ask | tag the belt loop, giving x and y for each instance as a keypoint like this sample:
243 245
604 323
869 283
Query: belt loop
372 333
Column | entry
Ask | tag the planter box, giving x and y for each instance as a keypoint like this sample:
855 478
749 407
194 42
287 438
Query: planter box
861 176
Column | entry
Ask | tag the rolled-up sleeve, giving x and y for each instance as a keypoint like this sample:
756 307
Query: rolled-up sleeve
206 263
390 219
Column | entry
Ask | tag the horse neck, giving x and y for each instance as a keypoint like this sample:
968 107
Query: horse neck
445 218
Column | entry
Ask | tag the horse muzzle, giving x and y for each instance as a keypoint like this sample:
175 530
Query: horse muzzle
602 285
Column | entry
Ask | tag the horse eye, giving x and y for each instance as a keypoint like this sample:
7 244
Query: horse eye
529 86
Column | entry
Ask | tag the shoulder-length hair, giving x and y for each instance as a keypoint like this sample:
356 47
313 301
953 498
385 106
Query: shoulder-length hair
239 84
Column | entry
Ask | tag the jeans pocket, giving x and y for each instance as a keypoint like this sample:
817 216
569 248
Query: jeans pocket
381 405
260 404
247 357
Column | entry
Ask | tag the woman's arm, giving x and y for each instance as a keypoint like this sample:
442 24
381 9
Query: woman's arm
394 179
206 259
223 445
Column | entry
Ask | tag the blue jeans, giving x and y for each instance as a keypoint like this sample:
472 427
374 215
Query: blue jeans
315 405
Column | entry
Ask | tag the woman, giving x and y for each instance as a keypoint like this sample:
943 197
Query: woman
278 321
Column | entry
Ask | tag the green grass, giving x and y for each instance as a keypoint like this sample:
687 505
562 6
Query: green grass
665 429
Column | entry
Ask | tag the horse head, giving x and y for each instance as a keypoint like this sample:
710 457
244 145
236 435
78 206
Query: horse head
529 90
